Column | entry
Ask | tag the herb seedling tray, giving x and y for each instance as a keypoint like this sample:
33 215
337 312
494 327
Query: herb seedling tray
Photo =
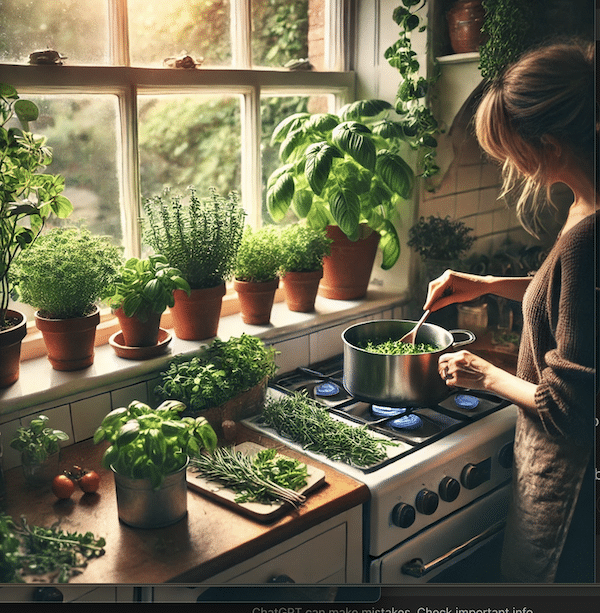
263 512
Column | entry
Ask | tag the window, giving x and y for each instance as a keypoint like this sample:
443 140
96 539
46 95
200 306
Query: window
123 124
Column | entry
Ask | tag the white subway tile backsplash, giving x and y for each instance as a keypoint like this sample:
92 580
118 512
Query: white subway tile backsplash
124 395
87 415
10 457
292 353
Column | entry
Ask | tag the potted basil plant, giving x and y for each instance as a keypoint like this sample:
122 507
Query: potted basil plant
200 238
62 275
256 273
140 293
345 173
148 454
28 197
38 445
302 252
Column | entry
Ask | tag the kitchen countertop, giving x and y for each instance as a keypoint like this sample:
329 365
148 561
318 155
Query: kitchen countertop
210 539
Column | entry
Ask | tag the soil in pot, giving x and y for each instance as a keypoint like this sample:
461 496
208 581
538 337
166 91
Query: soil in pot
256 300
196 317
10 348
69 342
301 290
347 271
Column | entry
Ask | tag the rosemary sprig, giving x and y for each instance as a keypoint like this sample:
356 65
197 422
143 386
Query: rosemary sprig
262 478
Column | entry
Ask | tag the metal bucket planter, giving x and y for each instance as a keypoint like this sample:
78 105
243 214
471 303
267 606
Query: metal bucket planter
141 506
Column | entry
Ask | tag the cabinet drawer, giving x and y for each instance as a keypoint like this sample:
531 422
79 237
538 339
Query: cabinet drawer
311 562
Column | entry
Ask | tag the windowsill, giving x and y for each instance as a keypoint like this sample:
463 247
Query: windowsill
40 384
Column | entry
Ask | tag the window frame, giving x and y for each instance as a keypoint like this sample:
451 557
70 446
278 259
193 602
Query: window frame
127 82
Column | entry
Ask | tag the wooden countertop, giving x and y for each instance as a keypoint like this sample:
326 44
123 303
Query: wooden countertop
209 540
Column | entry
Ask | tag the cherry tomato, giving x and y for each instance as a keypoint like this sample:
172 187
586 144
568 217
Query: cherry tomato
62 486
89 482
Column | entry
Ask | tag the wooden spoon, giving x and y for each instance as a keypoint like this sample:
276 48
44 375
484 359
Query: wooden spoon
410 337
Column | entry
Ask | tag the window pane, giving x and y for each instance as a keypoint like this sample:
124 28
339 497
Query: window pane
279 31
81 130
160 30
275 109
193 140
62 25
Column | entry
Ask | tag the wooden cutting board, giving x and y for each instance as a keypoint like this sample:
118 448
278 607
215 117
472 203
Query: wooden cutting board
263 512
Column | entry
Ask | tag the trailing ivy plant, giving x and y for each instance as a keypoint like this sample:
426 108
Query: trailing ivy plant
417 123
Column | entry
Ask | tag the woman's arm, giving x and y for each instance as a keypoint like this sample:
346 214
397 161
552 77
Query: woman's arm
464 369
454 287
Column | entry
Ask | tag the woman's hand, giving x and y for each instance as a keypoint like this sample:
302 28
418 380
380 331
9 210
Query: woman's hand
454 287
465 369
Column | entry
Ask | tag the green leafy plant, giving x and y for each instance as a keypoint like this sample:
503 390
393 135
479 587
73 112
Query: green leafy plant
144 286
303 248
259 257
37 441
28 197
221 371
510 26
65 272
148 443
344 170
35 550
417 122
440 238
200 238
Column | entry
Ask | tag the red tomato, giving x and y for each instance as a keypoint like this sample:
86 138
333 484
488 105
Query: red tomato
62 486
89 482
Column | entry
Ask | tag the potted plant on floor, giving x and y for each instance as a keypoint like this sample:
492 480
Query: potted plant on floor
38 445
28 198
302 252
140 293
201 239
344 173
62 275
224 381
256 273
148 454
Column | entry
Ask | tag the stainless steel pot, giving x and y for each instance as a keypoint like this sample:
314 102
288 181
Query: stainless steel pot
397 380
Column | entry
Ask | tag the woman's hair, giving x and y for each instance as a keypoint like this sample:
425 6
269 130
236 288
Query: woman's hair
549 91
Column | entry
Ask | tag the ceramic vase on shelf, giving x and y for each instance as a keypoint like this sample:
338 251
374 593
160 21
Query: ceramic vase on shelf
465 19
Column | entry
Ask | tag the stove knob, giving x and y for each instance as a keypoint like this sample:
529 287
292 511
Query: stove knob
403 515
427 502
449 489
505 456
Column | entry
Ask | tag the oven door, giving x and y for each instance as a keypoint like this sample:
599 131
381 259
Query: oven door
461 548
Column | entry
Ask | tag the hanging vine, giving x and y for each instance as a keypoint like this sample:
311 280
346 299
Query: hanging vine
418 123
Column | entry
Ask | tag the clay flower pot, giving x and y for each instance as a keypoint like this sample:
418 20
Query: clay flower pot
465 19
137 333
10 348
256 300
69 342
196 317
347 271
301 290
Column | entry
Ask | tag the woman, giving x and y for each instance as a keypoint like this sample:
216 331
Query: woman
538 120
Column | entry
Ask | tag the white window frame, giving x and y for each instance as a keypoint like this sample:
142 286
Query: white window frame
127 82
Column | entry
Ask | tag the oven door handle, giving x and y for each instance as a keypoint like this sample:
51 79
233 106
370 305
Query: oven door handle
416 567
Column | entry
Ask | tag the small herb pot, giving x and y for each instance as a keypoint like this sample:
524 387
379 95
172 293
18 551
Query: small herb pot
141 506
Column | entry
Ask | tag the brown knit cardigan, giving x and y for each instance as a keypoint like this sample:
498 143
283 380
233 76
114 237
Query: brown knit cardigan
552 448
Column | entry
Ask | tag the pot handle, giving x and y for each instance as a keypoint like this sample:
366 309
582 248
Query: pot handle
470 337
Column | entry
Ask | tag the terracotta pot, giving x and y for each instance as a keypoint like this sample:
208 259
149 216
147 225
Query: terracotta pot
347 271
301 290
69 342
10 348
138 333
256 300
465 19
196 317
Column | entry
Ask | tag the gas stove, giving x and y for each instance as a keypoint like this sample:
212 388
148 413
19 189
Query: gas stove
443 487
